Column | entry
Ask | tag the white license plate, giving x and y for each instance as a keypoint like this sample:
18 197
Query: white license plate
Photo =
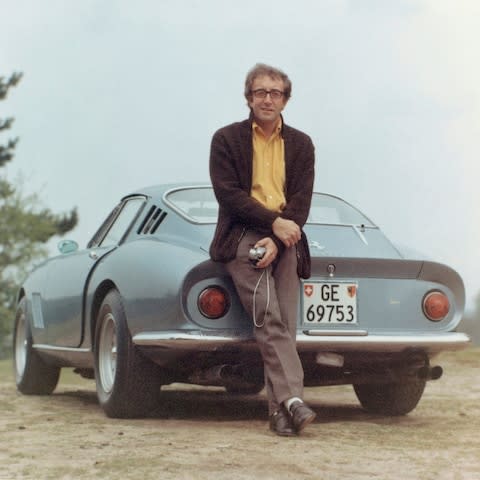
329 303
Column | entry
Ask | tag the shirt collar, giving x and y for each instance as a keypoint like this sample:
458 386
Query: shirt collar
257 128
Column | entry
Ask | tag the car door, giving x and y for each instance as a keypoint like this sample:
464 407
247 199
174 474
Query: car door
68 275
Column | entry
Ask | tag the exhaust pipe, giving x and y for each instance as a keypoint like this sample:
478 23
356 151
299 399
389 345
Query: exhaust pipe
213 376
221 376
430 373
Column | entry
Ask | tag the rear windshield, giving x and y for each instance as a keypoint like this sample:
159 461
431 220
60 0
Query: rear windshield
333 210
198 205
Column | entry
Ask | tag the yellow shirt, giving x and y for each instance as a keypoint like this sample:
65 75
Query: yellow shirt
268 178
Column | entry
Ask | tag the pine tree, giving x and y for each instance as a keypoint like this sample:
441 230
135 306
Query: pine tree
24 226
6 151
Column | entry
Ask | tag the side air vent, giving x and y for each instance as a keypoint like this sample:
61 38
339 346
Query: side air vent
152 221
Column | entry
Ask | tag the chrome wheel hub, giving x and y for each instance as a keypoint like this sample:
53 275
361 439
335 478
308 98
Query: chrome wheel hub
107 352
20 347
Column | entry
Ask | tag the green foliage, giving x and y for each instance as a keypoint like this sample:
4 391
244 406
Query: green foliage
25 227
5 85
6 151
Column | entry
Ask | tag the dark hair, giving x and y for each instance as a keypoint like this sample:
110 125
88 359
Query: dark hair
260 70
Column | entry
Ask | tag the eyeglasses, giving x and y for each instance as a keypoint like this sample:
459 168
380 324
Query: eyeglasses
262 93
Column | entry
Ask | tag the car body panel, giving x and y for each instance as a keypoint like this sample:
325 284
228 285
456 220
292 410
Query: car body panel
62 303
153 249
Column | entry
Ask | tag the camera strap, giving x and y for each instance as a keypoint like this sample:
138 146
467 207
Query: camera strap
256 323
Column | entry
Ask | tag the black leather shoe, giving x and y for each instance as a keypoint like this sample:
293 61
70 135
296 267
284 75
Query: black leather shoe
302 415
281 424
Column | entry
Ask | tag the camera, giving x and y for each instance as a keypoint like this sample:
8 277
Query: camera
256 253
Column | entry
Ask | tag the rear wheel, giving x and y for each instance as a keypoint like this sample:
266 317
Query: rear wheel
390 398
32 375
128 384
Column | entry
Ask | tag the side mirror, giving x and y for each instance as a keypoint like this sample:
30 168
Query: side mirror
67 246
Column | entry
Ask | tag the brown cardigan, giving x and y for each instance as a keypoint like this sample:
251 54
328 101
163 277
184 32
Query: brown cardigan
231 157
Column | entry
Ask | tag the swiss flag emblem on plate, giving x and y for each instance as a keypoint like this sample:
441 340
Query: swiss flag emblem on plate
308 290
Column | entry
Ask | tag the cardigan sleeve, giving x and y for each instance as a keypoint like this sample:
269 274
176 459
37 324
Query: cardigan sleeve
300 177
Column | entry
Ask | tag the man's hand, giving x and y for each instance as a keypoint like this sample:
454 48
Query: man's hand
270 253
287 231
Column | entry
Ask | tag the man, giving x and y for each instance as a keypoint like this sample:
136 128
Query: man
262 173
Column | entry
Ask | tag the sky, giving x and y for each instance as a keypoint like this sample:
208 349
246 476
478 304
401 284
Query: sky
117 95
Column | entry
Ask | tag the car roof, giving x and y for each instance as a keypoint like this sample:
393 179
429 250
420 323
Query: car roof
158 191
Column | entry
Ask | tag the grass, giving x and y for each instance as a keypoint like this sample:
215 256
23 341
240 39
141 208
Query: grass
468 357
68 436
6 370
67 375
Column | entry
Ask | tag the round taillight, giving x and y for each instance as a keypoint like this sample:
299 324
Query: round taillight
213 302
436 306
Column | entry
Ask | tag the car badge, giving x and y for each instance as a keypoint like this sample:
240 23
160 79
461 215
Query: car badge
308 290
331 269
352 291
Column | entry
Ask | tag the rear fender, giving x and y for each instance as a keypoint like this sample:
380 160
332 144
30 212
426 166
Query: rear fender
440 273
149 275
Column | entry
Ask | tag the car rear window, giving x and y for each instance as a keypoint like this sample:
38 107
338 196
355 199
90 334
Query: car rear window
199 205
327 209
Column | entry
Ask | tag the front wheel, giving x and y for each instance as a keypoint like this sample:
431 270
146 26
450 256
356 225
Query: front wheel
32 375
127 383
390 398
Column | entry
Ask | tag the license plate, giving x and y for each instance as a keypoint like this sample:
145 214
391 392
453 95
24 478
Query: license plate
329 303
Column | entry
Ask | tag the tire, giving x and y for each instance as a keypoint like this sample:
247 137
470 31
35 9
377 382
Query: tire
390 398
128 384
32 375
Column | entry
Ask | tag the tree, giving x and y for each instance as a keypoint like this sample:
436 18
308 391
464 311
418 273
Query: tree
6 151
25 227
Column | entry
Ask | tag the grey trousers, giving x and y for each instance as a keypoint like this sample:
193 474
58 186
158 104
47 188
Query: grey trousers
276 304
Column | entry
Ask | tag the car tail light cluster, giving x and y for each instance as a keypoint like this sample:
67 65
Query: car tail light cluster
213 302
435 305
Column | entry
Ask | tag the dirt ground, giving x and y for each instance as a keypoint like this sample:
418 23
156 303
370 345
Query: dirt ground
199 433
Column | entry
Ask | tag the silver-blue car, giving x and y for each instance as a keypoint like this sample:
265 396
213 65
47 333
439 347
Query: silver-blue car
143 306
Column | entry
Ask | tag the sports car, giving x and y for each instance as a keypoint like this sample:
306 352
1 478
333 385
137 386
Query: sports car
144 306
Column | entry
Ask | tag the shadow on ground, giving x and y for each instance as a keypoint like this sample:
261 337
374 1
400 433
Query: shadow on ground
217 405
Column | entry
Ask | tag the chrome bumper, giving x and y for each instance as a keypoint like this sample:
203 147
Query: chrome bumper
307 341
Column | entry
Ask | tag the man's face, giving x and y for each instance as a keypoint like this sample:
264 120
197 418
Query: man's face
267 110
